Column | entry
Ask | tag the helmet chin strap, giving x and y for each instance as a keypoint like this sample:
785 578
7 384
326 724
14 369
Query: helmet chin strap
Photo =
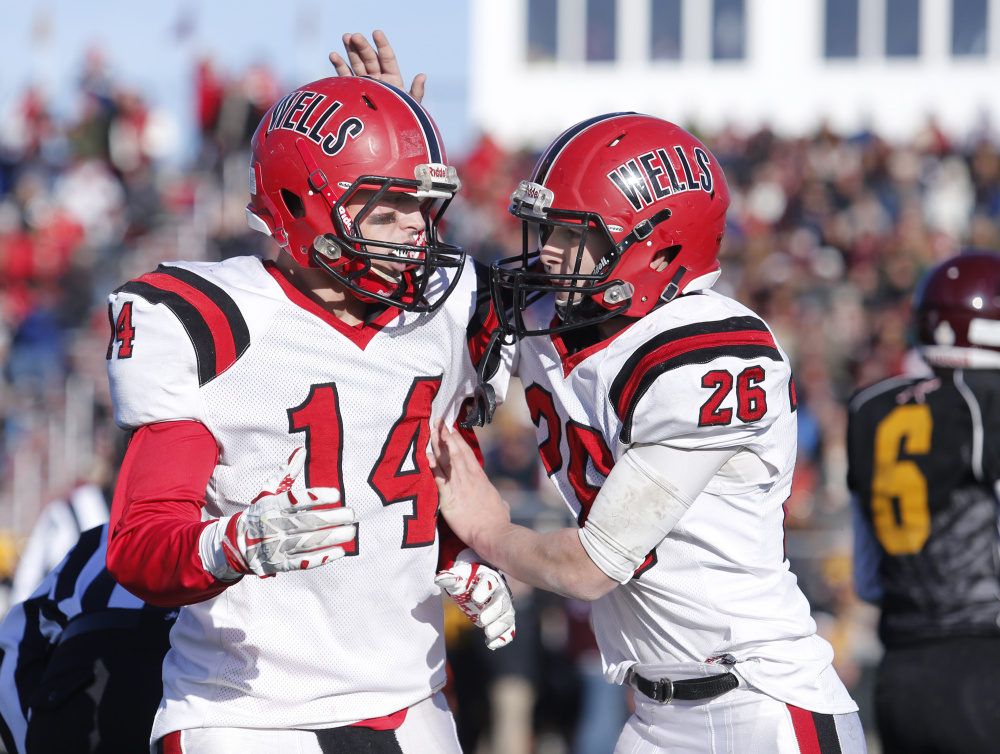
317 178
641 231
320 184
579 310
330 250
674 286
484 401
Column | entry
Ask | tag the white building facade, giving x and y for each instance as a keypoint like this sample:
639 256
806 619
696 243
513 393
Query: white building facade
538 66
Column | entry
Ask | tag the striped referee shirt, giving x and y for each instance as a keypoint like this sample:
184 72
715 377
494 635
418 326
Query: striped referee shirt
78 595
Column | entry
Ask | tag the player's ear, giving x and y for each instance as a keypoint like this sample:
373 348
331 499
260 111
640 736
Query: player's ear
662 259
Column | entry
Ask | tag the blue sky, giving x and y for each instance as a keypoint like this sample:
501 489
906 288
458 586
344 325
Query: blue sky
153 46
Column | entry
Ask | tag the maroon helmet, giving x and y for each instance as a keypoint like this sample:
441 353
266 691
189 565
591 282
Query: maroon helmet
647 186
957 312
321 145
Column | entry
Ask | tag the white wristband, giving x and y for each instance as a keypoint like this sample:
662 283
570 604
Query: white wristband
213 559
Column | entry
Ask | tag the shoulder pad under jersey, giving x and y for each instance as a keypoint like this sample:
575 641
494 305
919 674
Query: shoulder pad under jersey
724 379
173 331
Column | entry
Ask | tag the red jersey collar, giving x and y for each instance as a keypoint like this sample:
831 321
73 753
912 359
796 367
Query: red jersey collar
571 361
360 335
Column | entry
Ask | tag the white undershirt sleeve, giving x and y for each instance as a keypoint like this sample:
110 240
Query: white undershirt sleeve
213 558
643 498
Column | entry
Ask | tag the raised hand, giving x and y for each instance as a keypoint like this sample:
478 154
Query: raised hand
378 62
467 499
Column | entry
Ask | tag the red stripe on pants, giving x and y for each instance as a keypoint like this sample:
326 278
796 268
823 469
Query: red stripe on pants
805 730
171 743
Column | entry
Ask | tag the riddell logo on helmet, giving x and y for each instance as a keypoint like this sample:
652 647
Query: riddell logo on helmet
436 170
295 113
599 267
652 176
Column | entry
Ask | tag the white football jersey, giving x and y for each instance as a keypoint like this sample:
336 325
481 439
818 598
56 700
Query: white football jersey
700 372
232 345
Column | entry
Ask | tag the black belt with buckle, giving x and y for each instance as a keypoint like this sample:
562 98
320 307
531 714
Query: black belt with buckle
688 690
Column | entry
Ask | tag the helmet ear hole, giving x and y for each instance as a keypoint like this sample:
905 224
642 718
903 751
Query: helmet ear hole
664 257
294 204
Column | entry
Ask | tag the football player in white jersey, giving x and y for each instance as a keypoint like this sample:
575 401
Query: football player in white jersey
666 419
336 357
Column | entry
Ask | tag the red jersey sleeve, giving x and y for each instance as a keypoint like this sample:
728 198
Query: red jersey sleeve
449 545
156 518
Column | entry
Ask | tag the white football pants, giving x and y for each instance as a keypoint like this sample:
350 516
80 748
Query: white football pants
743 721
428 727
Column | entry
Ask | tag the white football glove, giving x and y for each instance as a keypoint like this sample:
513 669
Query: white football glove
280 531
484 596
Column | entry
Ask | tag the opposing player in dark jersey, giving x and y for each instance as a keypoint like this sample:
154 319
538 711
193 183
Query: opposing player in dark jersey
924 464
80 660
335 358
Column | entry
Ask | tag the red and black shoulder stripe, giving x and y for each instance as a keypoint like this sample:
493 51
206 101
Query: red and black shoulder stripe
213 321
743 337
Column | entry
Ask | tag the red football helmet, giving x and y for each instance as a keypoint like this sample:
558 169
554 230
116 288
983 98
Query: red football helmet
647 185
320 145
957 312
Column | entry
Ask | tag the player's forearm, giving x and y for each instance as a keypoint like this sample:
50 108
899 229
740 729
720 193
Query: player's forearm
154 554
156 516
449 546
554 561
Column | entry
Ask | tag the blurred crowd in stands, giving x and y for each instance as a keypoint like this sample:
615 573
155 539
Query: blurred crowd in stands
827 236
